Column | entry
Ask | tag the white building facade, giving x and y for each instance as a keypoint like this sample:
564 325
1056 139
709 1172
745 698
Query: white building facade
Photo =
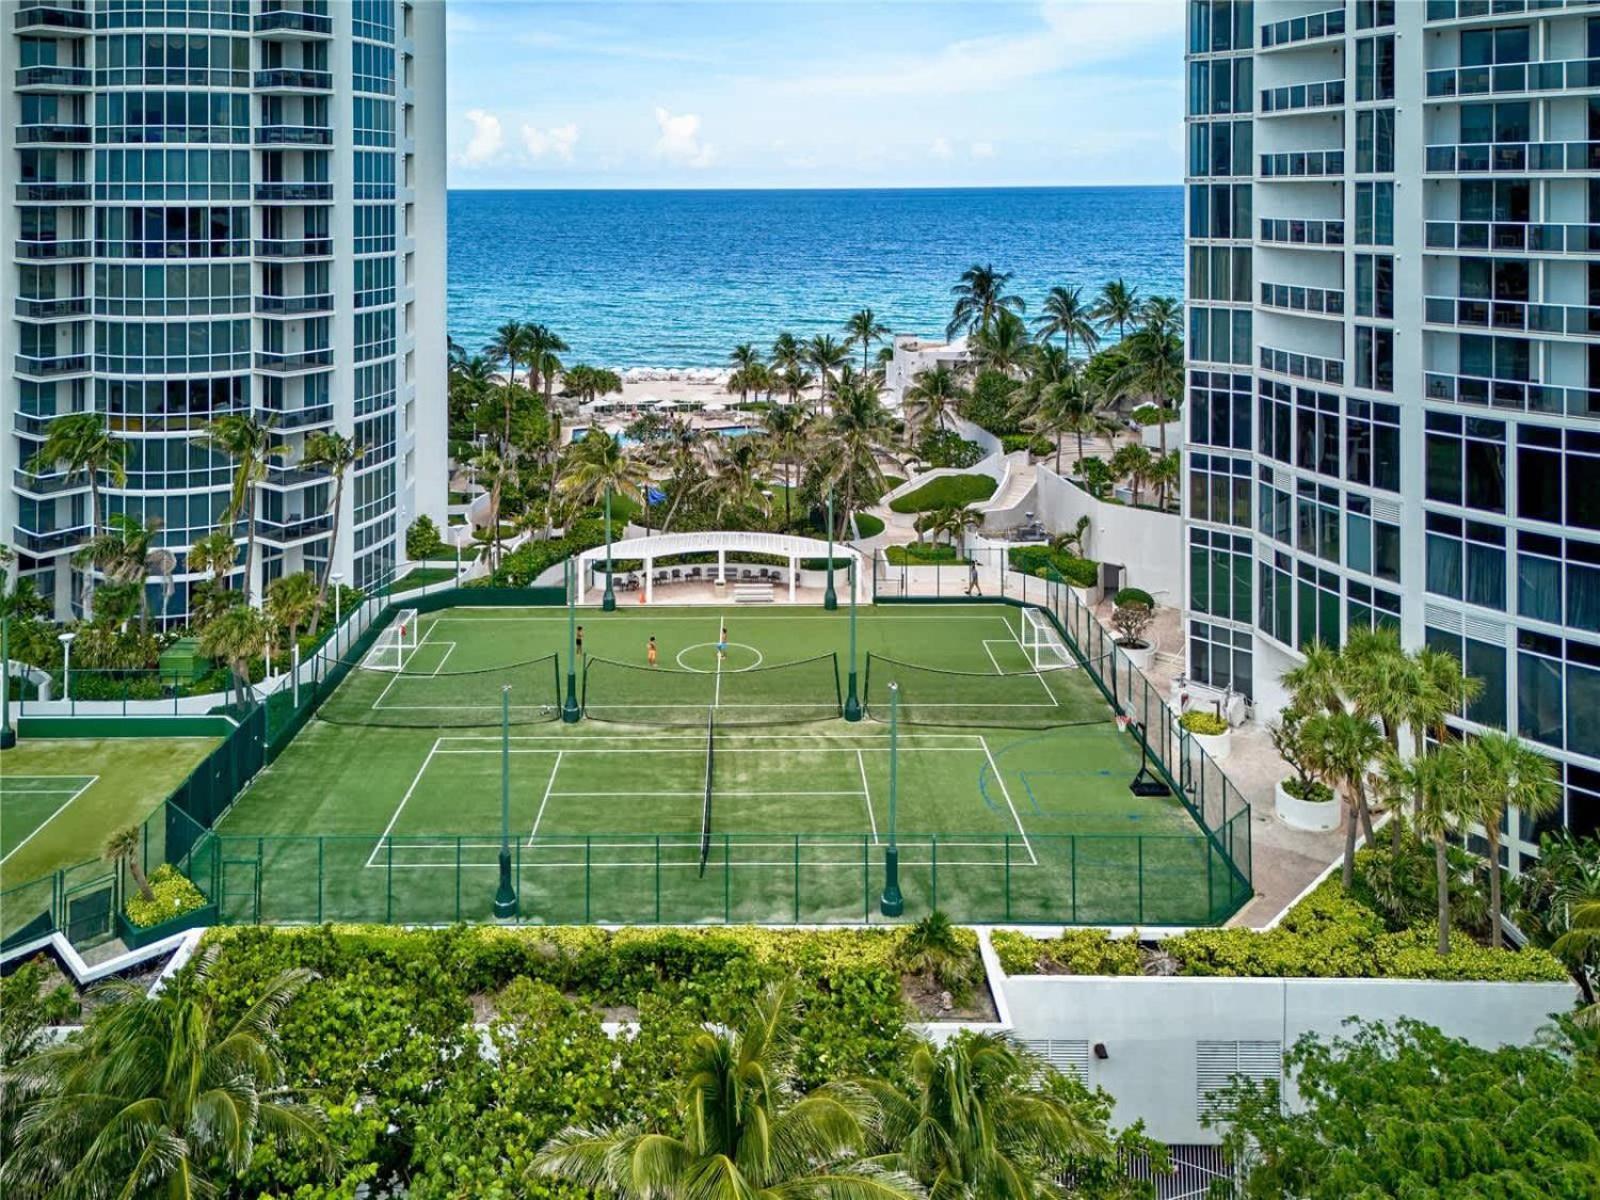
223 207
1393 406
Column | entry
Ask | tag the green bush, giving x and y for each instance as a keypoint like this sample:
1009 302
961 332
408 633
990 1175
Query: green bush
1040 561
1207 724
529 560
174 896
1149 414
946 491
1320 793
868 526
914 554
946 448
991 403
423 540
1074 952
1035 444
1132 595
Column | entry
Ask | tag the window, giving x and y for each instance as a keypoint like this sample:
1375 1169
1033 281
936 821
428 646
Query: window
1479 456
1372 444
1540 690
1219 210
1375 141
1372 608
1219 574
1374 14
1374 214
1318 615
1371 546
1486 47
1219 409
1375 68
1550 572
1374 358
1220 273
1275 616
1466 560
1221 148
1273 507
1219 489
1317 431
1317 520
1480 660
1220 657
1275 421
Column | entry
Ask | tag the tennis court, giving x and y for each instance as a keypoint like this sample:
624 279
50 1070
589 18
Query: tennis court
720 784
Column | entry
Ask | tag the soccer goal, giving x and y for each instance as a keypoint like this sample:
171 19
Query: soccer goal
1042 644
395 644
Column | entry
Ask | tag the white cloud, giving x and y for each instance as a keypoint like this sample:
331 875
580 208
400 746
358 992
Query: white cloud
982 149
556 142
940 148
486 141
680 140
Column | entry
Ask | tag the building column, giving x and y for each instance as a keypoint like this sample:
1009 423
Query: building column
649 580
794 574
722 566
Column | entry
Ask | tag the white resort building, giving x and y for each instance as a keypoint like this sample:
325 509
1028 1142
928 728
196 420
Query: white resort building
1393 407
223 207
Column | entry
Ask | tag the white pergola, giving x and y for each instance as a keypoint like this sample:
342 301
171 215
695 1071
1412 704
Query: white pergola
667 545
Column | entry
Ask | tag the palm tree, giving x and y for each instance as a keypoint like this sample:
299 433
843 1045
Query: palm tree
217 553
682 454
1434 782
741 1131
248 443
1135 464
738 467
864 328
1153 369
1064 312
1167 475
794 381
933 396
787 428
81 444
1343 749
292 601
127 555
1502 772
1003 344
982 1121
544 344
1581 939
1449 692
858 430
1164 314
157 1095
600 465
980 296
787 353
122 850
1116 305
336 454
513 345
827 357
1318 682
500 470
237 636
951 521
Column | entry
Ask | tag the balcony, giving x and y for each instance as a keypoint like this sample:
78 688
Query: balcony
59 19
30 309
291 419
58 366
1303 29
288 79
1513 236
1312 301
294 135
54 484
1512 315
1515 394
53 135
38 543
1467 10
290 530
53 251
294 193
1293 232
52 193
1520 158
1575 74
294 248
54 79
286 25
280 362
293 306
1299 97
280 475
1302 366
163 424
1302 164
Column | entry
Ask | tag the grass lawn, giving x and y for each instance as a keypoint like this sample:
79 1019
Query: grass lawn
59 799
947 491
1011 783
421 577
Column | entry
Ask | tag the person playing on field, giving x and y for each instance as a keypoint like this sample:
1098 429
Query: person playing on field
578 642
722 643
973 587
650 651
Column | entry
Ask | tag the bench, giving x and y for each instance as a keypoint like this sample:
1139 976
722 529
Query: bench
752 593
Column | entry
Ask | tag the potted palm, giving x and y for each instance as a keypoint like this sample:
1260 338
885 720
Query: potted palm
1207 731
1304 800
1133 610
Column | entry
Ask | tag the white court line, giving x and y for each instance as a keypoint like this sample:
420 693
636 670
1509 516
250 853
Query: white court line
93 779
866 794
421 642
995 662
1006 792
579 864
449 649
555 770
717 794
745 750
416 779
749 615
1015 637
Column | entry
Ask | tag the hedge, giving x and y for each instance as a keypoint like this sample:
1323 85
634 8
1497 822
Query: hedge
1039 561
946 491
174 896
915 554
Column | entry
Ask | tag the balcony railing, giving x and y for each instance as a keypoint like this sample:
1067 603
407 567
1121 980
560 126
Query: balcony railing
1297 96
1462 10
292 306
284 362
53 193
299 418
164 423
52 309
285 22
294 247
1514 394
293 475
1514 236
1302 366
1514 157
294 529
49 541
1319 302
52 367
52 135
294 135
1302 164
54 77
1303 29
1293 232
53 251
53 484
1574 319
1574 74
294 193
286 79
52 18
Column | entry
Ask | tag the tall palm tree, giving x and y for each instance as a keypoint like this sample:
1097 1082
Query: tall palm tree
335 453
1065 313
513 345
862 329
248 443
982 1122
216 553
1116 305
544 344
787 353
1435 783
292 601
1135 464
980 296
237 636
933 396
1003 344
1344 748
827 357
858 430
741 1130
158 1097
599 465
1164 314
1502 772
682 454
1153 370
1449 692
1318 682
501 471
81 444
127 555
738 474
1066 407
952 521
794 381
787 428
1167 476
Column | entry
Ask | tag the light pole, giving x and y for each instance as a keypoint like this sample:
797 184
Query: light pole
337 611
852 702
505 897
830 600
892 903
66 665
608 602
8 735
569 710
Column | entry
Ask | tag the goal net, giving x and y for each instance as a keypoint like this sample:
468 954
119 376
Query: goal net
1044 647
395 644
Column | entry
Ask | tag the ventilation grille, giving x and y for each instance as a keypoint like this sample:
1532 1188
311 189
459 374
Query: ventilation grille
1282 479
1386 510
1484 630
1068 1056
1447 619
1218 1062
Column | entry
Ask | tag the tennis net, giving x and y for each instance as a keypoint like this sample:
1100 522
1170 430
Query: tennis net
418 699
806 690
968 699
705 807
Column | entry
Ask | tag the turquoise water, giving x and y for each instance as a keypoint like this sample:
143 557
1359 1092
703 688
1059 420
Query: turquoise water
727 431
677 278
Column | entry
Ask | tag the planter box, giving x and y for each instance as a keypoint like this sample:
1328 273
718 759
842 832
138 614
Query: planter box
135 937
1216 745
1317 816
1139 656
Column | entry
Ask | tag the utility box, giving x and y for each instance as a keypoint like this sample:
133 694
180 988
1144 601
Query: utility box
182 662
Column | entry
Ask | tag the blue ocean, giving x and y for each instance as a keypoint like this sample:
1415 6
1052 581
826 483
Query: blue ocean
677 278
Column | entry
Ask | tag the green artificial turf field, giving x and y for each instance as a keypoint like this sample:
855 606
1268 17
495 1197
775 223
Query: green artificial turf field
717 785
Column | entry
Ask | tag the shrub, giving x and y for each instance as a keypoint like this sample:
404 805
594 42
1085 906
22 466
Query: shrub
946 448
174 896
1133 595
1073 952
1040 561
914 554
1312 791
1149 414
868 525
423 540
531 559
1131 615
947 491
991 402
1207 724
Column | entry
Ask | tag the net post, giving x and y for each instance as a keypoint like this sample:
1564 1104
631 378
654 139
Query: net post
727 884
569 709
658 879
933 867
388 883
797 879
1073 851
588 852
1008 877
608 601
458 877
852 702
505 897
1140 843
321 876
892 903
830 598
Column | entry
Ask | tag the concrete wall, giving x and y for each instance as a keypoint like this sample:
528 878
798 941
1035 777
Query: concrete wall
977 433
1148 544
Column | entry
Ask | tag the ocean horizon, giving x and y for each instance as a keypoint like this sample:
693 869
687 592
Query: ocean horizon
677 278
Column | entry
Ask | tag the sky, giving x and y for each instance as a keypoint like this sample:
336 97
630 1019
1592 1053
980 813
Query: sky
814 93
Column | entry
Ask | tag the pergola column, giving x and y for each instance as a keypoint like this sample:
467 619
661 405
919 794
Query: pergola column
649 581
722 565
794 574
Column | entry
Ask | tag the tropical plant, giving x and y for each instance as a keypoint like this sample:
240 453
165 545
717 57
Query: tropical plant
862 329
157 1096
740 1129
1116 305
1435 784
1153 370
1502 772
127 555
1289 738
787 429
1134 463
1581 942
122 850
248 443
1318 682
932 397
980 296
934 950
292 601
82 445
1343 746
1131 614
1065 313
600 466
857 431
787 353
422 539
237 636
1003 344
1166 473
1067 407
827 357
334 453
500 471
949 521
738 473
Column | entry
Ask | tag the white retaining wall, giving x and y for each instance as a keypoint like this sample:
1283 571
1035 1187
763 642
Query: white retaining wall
1147 544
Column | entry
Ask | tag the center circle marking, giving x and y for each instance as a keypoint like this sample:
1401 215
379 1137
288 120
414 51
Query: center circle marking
726 669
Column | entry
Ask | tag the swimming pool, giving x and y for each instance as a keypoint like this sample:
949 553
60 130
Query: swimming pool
727 431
